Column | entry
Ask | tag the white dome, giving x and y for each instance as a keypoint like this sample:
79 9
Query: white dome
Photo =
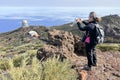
25 23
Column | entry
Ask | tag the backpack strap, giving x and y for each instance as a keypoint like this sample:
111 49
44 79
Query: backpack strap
98 27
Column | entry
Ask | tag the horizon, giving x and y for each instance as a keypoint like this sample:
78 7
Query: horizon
47 16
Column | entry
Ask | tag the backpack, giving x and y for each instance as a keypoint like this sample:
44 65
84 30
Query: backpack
99 34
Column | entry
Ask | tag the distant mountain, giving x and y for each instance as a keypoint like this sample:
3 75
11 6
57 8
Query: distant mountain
110 23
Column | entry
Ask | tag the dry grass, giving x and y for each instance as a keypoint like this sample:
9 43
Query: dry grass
51 69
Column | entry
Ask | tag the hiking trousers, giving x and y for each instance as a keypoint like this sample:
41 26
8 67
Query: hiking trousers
91 54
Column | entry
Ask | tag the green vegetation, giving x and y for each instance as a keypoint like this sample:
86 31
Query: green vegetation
51 69
24 65
111 40
4 64
17 61
23 48
30 46
5 48
109 47
18 53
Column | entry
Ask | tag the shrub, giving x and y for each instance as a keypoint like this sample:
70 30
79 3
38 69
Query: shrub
17 61
109 47
4 64
51 69
56 70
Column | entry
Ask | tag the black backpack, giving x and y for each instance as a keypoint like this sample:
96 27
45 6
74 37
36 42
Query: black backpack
99 34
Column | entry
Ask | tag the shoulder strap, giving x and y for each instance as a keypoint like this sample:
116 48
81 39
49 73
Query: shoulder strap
98 27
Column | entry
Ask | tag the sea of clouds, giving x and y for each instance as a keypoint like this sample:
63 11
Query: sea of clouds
11 17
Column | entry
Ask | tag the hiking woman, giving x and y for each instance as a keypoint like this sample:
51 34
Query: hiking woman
89 38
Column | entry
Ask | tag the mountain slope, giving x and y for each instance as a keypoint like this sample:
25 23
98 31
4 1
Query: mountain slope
19 36
111 25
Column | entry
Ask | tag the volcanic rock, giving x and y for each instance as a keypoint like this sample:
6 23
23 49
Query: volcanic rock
61 43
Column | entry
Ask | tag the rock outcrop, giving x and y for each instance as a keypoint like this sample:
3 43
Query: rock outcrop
65 45
61 43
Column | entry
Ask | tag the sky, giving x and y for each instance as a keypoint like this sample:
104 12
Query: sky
51 12
60 3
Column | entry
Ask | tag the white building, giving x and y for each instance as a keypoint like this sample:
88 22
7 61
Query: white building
25 23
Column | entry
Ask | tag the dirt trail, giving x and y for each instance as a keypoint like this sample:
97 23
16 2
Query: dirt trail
108 66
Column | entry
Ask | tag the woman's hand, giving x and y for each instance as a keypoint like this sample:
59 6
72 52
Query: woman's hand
79 20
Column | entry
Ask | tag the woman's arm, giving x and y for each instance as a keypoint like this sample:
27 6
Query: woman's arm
82 28
85 22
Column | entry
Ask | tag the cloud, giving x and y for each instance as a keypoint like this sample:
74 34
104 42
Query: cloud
53 13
